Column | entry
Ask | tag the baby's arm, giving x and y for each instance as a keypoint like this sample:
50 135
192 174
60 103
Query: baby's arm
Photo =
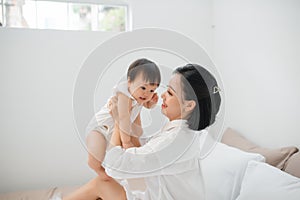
124 110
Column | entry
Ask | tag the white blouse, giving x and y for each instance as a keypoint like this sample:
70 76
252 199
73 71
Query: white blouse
169 162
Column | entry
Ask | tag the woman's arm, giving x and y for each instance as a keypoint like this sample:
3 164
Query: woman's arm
124 111
164 154
115 138
135 126
156 157
137 131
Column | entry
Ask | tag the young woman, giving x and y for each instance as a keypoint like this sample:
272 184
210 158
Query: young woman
169 161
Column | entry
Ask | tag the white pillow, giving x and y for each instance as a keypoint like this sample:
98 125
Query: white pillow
223 170
263 181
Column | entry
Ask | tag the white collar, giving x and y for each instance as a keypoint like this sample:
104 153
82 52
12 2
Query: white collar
175 123
123 86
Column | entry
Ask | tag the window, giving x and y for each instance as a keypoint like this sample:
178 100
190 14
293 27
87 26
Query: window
1 14
59 15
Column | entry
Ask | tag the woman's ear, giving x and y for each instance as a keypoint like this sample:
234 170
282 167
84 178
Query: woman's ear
189 105
128 82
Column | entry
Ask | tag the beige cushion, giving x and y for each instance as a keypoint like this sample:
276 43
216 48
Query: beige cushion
293 165
274 157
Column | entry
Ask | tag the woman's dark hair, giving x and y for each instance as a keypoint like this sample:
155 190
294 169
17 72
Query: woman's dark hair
199 85
149 69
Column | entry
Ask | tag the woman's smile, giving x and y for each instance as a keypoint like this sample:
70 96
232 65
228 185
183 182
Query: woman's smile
163 106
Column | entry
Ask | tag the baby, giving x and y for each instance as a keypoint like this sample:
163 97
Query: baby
143 78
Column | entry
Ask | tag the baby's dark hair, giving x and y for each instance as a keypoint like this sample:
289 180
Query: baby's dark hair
149 70
199 85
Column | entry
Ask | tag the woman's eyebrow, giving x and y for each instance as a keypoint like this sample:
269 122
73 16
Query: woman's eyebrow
169 86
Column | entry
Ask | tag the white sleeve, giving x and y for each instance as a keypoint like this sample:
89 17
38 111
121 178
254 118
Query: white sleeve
150 159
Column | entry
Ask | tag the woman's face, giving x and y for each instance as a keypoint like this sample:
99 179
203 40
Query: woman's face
172 106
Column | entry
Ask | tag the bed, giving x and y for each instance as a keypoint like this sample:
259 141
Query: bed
248 172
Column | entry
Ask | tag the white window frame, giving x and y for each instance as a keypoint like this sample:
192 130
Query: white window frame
2 15
125 3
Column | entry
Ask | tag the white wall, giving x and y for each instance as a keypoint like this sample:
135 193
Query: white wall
39 146
256 48
192 18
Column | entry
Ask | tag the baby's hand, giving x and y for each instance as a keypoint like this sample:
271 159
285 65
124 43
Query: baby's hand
150 104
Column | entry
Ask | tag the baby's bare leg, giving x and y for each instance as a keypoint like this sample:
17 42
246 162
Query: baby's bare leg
107 190
96 144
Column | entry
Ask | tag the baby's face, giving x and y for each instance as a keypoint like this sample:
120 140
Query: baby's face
141 90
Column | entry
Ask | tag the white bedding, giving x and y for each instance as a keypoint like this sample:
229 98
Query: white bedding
229 174
263 181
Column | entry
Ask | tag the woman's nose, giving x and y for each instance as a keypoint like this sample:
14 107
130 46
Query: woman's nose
162 95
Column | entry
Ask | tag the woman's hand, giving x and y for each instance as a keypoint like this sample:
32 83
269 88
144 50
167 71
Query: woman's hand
113 107
115 139
150 104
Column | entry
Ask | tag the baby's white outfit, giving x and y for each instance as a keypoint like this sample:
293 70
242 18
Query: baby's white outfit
103 122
